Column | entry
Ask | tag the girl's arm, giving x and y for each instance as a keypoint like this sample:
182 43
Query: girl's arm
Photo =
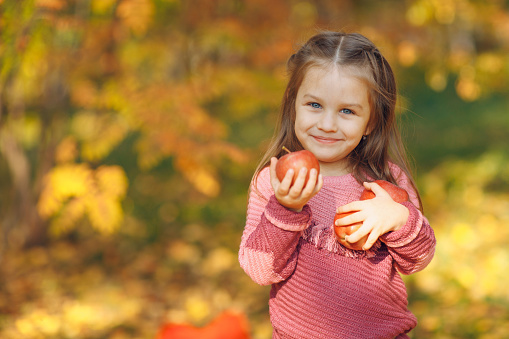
268 249
413 245
401 226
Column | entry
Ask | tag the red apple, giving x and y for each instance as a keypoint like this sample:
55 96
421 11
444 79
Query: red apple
397 194
295 161
342 231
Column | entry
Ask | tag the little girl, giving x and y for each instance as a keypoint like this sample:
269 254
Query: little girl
340 105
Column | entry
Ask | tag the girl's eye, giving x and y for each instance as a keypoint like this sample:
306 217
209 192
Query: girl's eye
315 105
347 111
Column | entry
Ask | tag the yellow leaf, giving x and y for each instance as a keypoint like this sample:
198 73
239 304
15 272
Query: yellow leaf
203 181
464 236
27 129
200 177
436 79
85 125
197 308
111 134
102 6
466 276
84 93
219 260
98 133
490 63
104 212
61 183
180 251
66 151
136 14
445 11
467 87
232 151
419 13
70 214
71 180
111 181
94 194
407 53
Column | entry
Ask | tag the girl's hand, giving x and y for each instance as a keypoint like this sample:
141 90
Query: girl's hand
295 196
378 216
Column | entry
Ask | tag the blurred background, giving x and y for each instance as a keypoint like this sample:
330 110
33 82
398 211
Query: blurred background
130 129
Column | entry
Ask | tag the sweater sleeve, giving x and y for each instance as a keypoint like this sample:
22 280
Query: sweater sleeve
413 245
268 250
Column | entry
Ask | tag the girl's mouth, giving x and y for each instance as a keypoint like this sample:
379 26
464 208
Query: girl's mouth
325 140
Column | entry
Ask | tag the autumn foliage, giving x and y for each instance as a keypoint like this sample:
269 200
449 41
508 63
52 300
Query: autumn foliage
130 129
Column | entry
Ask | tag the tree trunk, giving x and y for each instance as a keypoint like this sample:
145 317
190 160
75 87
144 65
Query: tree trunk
23 212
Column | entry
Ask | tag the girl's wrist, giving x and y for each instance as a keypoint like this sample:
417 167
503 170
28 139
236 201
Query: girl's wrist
292 208
404 214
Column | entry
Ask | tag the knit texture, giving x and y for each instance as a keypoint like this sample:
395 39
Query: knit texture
321 289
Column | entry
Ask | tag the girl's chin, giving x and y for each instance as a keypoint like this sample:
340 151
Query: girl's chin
334 168
327 157
325 161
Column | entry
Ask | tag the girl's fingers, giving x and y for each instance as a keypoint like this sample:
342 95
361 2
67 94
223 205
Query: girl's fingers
354 218
351 207
310 184
273 176
285 185
372 238
359 234
319 184
375 188
298 185
297 194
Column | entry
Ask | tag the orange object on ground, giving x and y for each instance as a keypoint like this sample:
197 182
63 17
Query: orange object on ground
227 325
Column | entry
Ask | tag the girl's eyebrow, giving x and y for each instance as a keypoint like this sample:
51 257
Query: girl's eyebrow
311 96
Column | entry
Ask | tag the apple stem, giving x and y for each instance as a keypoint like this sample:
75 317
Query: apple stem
286 149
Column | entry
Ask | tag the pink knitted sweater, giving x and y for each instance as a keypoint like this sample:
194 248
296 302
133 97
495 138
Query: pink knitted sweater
321 289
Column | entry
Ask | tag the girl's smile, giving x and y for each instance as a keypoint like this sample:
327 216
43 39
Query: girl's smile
325 140
332 115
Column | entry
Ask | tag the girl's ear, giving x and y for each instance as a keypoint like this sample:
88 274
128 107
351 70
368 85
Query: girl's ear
368 130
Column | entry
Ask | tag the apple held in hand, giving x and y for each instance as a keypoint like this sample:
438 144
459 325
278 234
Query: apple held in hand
295 161
343 231
397 194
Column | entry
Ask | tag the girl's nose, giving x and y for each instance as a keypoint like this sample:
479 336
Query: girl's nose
327 122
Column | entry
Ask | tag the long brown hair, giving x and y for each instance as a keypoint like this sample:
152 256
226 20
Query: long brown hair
371 158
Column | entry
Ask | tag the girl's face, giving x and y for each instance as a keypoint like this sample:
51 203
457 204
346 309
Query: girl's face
332 114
